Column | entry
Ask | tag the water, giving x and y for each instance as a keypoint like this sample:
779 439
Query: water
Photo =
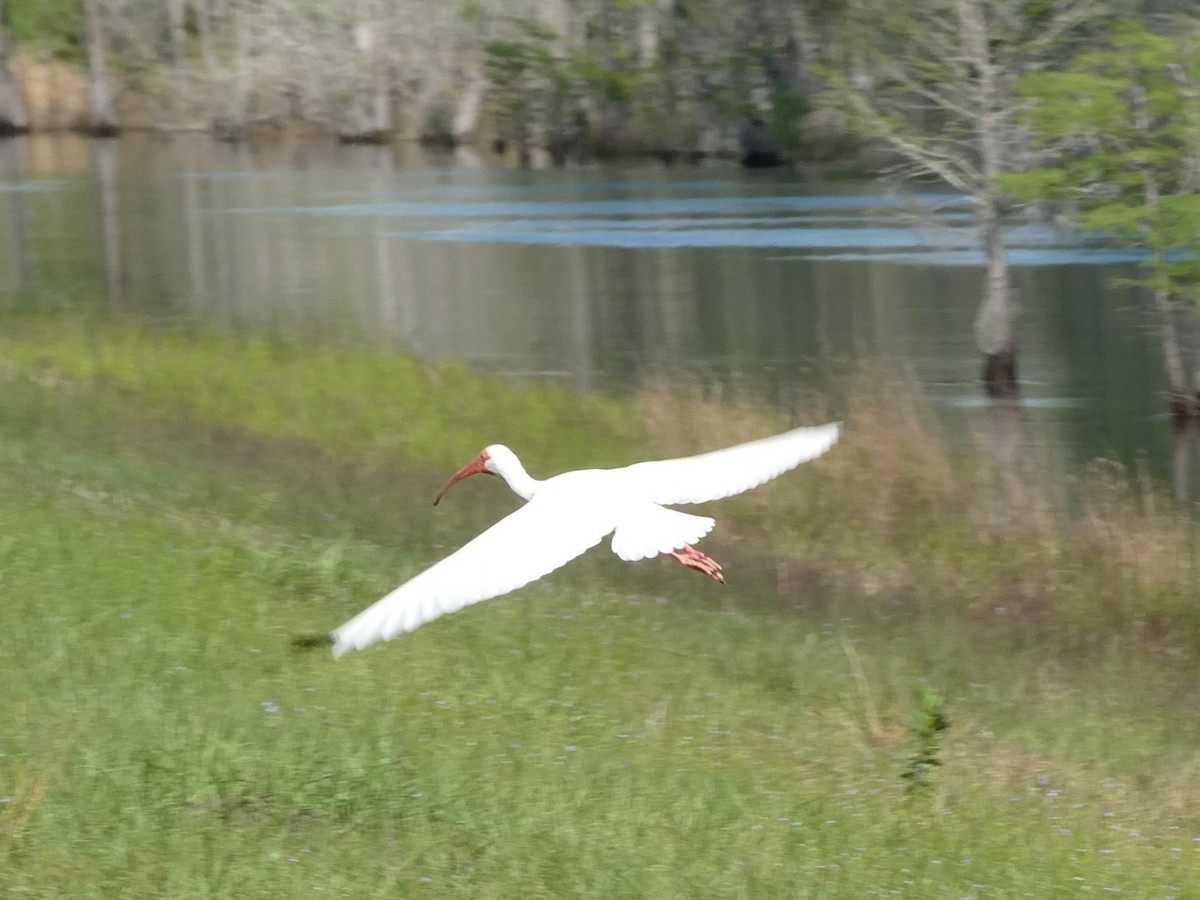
601 277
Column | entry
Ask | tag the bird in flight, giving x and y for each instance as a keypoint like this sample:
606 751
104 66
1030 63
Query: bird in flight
568 514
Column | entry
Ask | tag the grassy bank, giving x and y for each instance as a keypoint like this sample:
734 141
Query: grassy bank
177 507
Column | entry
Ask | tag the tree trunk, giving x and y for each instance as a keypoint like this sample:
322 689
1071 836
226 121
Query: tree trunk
369 119
213 90
177 34
994 325
647 35
181 73
470 102
607 135
231 104
13 118
208 51
1182 406
101 113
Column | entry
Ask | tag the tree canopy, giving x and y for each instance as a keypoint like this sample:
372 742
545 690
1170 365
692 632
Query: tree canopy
1119 130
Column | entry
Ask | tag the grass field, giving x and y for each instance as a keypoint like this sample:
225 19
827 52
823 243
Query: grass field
175 509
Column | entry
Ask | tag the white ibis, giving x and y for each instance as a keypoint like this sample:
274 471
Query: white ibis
569 514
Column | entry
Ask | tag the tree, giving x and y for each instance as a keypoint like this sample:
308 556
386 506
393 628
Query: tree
530 85
13 119
369 117
101 112
177 44
713 76
933 82
1120 130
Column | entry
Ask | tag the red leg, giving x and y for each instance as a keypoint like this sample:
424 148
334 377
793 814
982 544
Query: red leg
694 559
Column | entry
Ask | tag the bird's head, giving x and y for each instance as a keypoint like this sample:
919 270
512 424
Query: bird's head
490 461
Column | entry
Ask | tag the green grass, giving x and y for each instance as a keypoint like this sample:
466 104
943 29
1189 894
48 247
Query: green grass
615 730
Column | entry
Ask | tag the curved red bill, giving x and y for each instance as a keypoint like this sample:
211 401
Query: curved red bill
477 466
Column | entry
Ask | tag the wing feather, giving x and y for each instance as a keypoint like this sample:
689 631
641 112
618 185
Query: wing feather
531 542
648 530
723 473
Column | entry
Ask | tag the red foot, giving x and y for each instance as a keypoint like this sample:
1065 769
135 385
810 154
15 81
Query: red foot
694 559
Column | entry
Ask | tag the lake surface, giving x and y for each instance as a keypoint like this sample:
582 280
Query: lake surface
598 276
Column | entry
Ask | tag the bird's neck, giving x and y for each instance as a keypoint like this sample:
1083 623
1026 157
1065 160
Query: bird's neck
521 482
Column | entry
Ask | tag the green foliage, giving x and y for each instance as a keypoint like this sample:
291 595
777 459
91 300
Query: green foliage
616 730
600 735
381 403
324 570
1123 125
1045 184
925 734
608 81
530 82
472 11
48 24
927 97
757 67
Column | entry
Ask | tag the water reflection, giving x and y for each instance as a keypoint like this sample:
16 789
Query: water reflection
106 153
16 185
599 277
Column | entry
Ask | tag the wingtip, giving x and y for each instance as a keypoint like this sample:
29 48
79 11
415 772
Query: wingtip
833 431
341 646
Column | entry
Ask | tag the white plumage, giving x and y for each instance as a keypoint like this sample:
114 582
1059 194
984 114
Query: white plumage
569 514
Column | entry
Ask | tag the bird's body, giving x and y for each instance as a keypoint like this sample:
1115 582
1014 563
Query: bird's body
568 514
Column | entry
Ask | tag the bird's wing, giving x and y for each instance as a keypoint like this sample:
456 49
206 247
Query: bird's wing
544 534
722 473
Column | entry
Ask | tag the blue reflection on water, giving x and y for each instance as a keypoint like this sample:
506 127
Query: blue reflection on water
862 220
866 227
711 237
491 189
943 246
635 207
1018 256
